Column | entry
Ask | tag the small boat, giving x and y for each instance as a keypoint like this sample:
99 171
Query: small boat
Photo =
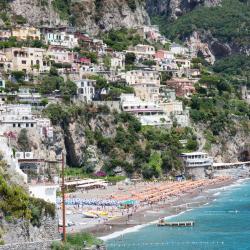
90 215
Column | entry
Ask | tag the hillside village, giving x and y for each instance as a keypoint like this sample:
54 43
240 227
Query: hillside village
44 66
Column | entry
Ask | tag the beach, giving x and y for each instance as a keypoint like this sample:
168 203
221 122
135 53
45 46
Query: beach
166 198
222 223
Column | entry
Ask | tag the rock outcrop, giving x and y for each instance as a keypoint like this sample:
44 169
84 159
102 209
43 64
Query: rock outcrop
91 16
175 8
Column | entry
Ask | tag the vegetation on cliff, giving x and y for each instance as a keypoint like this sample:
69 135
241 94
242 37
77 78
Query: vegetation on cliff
122 38
122 141
15 203
229 22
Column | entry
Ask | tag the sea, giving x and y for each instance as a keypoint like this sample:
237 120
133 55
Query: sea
223 224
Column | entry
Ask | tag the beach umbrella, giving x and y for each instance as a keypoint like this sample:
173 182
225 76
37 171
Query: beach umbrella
128 202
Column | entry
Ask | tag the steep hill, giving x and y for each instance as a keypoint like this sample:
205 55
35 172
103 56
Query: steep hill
224 26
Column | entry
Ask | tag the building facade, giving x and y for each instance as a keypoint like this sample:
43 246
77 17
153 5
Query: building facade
85 90
197 165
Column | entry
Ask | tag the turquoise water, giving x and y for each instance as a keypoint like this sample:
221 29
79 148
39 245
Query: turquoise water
223 224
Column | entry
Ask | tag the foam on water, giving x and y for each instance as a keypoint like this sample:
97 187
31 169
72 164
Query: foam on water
126 231
137 228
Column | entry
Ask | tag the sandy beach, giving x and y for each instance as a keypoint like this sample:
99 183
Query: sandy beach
155 200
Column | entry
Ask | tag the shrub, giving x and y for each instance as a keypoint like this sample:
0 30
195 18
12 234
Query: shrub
23 141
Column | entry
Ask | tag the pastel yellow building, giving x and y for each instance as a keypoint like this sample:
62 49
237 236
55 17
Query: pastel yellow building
29 60
24 33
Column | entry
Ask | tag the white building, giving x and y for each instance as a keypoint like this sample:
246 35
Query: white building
177 49
45 128
46 192
16 116
87 70
118 62
148 113
25 95
197 164
64 39
85 89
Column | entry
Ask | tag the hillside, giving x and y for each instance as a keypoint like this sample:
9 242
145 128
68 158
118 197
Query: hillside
225 27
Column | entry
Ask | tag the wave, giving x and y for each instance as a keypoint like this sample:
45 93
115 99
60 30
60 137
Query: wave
126 231
137 228
216 194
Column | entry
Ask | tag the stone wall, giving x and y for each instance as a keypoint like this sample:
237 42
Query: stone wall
37 245
20 231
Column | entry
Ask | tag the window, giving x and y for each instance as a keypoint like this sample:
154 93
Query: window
19 125
23 61
27 125
14 125
32 125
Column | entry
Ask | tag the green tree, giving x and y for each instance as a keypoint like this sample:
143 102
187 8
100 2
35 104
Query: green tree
23 141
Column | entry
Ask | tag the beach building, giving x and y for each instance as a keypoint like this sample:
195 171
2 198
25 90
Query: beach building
25 33
197 164
147 112
85 90
29 60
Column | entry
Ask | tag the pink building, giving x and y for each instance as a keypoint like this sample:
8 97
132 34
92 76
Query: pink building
182 86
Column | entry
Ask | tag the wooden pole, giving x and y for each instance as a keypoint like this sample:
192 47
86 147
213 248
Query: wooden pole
63 202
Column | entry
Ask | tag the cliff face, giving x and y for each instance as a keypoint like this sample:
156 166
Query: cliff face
175 8
108 14
92 16
216 23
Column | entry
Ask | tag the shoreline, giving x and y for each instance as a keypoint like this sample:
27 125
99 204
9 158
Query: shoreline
146 216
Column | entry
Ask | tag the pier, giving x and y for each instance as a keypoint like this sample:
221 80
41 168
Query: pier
176 224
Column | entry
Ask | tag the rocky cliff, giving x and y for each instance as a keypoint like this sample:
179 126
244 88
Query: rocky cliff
215 23
175 8
92 16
